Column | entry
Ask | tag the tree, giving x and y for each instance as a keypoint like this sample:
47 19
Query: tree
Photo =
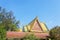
55 33
8 20
2 32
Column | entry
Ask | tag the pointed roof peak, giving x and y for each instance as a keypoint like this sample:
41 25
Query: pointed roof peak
36 18
32 22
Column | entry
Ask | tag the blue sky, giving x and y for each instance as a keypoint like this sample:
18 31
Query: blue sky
48 11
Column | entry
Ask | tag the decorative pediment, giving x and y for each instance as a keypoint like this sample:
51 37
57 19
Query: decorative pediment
36 26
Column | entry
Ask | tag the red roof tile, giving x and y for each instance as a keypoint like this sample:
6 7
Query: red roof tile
23 34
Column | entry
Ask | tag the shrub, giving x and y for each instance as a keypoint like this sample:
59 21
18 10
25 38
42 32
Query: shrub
30 37
55 33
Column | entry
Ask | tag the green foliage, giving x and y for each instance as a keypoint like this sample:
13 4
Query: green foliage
7 23
30 37
8 20
55 33
2 32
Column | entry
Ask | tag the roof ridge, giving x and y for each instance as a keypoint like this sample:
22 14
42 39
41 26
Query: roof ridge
36 18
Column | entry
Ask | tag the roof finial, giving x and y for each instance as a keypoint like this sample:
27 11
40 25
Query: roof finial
36 17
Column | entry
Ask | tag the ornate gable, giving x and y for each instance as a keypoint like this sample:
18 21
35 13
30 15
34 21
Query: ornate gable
36 26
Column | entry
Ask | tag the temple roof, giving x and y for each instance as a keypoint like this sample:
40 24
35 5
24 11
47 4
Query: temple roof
23 34
39 29
35 23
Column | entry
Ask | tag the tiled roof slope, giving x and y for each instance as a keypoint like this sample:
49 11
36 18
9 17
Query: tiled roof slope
23 34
